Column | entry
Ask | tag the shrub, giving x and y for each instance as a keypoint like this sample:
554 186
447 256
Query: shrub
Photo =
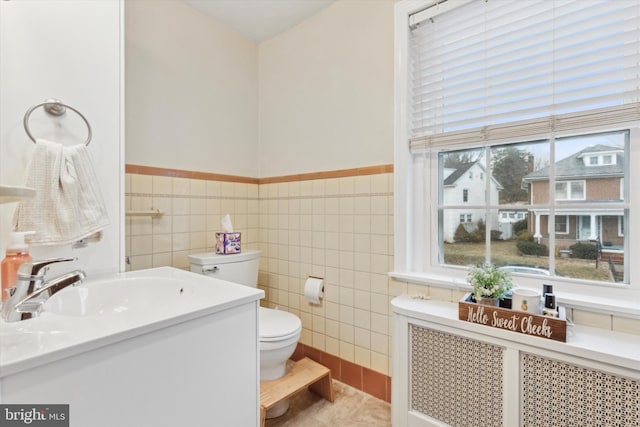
476 236
532 248
584 251
519 226
525 235
461 234
481 226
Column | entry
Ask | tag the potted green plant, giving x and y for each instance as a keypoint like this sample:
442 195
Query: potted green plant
489 283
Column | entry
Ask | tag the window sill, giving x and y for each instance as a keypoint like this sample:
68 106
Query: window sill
582 341
624 307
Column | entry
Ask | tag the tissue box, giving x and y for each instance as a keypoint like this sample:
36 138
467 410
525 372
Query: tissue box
228 243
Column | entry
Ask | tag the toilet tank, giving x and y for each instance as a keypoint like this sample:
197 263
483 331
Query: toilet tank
239 268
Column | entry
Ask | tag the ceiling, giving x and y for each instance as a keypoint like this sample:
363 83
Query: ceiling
260 19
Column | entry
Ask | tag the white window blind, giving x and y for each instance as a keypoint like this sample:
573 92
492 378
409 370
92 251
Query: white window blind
501 68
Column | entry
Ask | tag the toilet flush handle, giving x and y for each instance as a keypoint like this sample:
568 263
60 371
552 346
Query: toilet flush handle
206 270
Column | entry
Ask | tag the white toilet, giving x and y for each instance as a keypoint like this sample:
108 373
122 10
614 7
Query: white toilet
279 330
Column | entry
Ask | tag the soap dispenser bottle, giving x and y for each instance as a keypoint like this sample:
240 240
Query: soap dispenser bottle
17 253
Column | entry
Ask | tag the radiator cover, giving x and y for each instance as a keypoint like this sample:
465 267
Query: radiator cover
560 394
454 379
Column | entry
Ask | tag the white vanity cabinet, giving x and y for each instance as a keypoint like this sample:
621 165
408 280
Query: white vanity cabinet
452 372
190 364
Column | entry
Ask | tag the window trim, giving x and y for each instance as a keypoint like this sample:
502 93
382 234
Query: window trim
410 179
600 159
570 191
567 225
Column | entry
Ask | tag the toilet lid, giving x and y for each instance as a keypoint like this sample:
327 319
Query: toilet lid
277 324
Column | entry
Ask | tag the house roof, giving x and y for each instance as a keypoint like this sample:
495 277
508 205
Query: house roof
453 176
574 167
462 169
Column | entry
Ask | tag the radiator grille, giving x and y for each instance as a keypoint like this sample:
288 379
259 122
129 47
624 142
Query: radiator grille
455 380
559 394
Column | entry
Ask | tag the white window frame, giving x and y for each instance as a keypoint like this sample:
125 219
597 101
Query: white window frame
566 230
410 179
569 192
600 159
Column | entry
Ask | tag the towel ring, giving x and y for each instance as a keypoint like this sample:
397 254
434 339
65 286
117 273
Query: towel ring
57 108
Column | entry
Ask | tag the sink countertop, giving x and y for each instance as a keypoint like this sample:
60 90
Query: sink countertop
51 336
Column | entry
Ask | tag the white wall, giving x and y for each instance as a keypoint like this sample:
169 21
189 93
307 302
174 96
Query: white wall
326 91
202 97
68 50
192 90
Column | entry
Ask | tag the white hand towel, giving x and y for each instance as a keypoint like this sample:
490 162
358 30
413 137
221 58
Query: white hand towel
68 205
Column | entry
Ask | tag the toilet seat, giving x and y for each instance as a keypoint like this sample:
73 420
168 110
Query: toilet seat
277 325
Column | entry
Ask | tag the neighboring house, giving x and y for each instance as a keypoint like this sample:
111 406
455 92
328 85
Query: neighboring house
466 186
595 173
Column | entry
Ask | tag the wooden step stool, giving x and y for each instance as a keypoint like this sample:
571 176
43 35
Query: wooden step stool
304 373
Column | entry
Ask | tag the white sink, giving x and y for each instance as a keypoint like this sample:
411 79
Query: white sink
120 332
133 294
111 308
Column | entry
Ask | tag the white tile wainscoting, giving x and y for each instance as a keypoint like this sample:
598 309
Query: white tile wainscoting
339 228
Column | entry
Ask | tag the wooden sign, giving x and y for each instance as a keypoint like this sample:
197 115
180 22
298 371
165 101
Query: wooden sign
553 328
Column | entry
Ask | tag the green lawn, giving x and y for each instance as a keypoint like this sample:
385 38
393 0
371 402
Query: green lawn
504 252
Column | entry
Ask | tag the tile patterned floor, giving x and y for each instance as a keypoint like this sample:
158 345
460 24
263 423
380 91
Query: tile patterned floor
351 408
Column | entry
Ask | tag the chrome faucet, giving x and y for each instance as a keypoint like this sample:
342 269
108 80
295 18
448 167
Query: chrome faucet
31 291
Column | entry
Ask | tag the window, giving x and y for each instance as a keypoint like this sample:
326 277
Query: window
570 190
465 195
601 158
562 224
466 218
547 108
521 175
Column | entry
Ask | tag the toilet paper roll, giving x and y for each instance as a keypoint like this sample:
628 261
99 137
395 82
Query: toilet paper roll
314 289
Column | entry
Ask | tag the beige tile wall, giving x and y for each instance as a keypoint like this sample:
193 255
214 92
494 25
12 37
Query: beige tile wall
191 213
340 229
